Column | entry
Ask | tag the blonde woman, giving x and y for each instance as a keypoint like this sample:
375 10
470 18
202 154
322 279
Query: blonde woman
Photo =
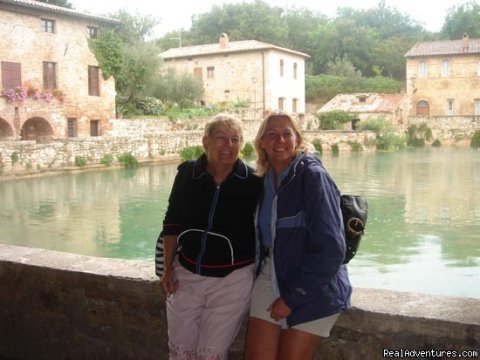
209 246
302 286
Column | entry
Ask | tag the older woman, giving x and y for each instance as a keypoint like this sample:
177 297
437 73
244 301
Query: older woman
209 245
303 286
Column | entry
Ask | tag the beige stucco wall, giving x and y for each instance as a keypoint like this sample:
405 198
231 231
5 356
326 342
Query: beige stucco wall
253 77
286 86
462 85
22 41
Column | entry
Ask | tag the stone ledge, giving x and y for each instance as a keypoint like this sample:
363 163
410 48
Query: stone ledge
87 307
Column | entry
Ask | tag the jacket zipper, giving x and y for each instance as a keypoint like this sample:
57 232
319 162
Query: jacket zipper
209 227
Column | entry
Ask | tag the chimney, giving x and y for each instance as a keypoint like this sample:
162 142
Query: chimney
223 40
465 44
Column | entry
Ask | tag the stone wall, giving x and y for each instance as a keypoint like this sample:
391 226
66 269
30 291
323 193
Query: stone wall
449 129
159 139
23 41
57 305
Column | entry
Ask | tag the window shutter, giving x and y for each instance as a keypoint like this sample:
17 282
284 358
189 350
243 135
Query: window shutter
11 75
49 75
93 81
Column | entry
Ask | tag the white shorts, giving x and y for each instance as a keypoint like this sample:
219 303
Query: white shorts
262 297
205 314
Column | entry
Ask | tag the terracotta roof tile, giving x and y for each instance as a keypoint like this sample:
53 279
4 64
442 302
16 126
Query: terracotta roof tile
57 9
233 46
374 103
445 47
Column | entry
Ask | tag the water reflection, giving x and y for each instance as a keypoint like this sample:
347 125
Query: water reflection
422 233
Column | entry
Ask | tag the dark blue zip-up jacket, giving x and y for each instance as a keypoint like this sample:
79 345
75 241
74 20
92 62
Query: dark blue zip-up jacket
214 224
309 243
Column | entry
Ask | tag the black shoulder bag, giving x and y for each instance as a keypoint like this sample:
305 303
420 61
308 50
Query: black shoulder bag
355 211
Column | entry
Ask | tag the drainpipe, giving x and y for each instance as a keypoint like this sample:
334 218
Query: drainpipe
263 83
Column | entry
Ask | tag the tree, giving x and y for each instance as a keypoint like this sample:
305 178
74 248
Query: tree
342 67
461 19
242 21
136 79
134 28
108 51
62 3
182 89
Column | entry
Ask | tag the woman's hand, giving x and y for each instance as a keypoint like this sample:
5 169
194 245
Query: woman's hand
169 282
279 310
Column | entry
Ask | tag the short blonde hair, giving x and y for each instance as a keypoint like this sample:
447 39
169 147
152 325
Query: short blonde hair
224 120
302 145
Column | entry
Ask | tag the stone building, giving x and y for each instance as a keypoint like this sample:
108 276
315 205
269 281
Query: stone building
51 83
265 76
366 106
443 78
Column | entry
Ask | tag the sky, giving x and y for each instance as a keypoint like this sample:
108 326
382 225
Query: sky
177 14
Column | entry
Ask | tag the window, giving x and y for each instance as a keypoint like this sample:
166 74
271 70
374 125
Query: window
72 127
445 68
294 105
281 67
477 107
295 70
210 72
93 81
49 75
450 107
281 103
48 25
92 32
198 73
11 75
422 69
94 127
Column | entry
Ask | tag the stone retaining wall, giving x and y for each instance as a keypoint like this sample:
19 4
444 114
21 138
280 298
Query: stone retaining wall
57 305
157 139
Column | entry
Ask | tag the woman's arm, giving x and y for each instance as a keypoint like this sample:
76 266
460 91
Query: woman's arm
169 282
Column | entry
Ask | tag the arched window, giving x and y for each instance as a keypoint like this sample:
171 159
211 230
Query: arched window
423 108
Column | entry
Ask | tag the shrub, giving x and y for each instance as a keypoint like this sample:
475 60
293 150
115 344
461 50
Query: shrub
436 143
418 135
128 160
80 161
248 149
377 125
14 158
355 146
152 106
191 152
333 120
335 149
475 142
317 144
390 141
107 159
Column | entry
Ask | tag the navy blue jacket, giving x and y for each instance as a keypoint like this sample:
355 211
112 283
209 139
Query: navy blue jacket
214 224
309 243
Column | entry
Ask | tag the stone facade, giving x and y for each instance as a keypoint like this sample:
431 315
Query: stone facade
66 306
265 76
443 78
369 106
27 45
